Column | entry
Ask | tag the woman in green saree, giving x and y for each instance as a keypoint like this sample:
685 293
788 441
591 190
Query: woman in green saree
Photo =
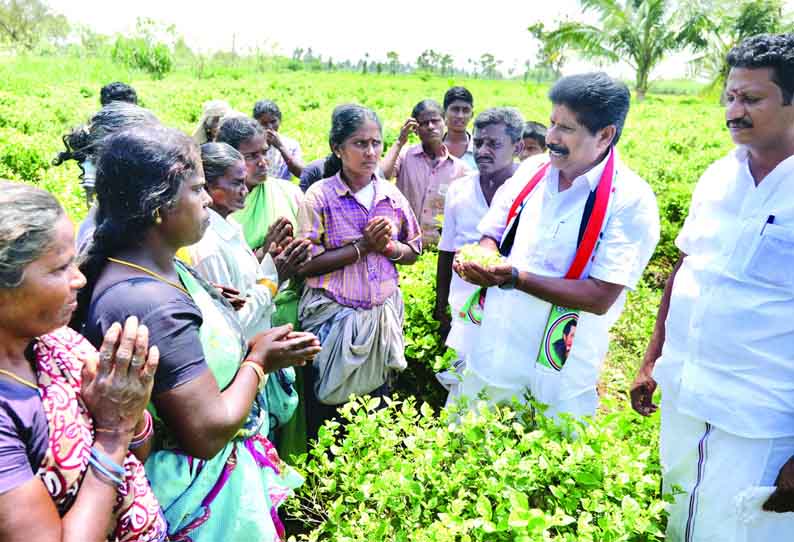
268 221
213 470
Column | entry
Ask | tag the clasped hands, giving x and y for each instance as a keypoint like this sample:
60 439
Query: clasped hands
289 254
377 236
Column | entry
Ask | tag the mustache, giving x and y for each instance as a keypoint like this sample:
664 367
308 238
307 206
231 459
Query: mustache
558 148
739 123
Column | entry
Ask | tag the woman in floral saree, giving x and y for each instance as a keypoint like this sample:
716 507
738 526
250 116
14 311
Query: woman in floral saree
70 418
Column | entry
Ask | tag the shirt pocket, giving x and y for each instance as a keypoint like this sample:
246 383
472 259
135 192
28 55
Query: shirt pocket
771 259
559 246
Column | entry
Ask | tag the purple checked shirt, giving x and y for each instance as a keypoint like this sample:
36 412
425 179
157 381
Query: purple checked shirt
331 217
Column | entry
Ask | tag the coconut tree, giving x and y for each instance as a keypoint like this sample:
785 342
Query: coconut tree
730 22
638 32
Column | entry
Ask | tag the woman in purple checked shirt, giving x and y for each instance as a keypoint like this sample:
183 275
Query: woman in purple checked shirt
361 227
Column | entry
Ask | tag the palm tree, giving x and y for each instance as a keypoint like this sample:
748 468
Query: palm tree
394 61
446 62
730 23
639 32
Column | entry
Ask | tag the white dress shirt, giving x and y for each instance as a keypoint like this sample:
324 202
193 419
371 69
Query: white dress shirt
464 207
545 244
728 356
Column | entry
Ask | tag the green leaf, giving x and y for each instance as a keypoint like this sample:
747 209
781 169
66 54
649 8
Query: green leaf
483 508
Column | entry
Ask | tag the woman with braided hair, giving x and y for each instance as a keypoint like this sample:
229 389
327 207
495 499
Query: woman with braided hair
84 143
211 448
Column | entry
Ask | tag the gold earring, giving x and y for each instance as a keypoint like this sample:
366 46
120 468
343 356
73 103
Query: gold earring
157 218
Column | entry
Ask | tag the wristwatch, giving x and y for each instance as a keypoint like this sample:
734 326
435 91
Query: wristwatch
510 283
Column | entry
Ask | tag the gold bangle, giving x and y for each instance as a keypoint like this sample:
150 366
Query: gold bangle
260 373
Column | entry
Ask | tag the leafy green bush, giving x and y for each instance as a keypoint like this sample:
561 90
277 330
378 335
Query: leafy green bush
20 158
424 351
402 473
139 53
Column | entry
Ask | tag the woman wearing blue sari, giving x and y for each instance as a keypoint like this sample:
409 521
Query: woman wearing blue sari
213 470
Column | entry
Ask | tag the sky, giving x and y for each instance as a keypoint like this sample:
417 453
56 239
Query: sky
346 29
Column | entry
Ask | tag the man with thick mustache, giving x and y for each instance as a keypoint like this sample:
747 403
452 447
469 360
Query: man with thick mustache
723 346
497 141
576 233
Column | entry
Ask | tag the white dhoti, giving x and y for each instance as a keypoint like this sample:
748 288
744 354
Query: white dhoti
725 480
503 363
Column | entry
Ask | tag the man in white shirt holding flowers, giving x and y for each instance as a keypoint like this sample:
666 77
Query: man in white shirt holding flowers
575 233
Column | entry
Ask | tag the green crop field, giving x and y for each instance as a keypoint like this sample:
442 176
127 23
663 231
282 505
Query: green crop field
405 473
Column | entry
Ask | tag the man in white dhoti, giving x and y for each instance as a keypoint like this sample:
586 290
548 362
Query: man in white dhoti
723 347
576 233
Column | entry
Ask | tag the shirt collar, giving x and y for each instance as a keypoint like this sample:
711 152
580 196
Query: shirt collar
469 145
225 229
417 149
341 188
741 153
592 176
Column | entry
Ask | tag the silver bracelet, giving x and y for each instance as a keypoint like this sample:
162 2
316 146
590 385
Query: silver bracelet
399 256
358 252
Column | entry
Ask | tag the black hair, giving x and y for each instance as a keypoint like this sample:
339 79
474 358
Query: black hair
510 117
597 100
345 120
458 93
85 141
266 107
237 129
774 51
535 130
426 105
117 92
217 158
139 172
566 329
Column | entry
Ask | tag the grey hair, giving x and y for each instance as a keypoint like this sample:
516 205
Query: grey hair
27 228
217 158
238 128
509 116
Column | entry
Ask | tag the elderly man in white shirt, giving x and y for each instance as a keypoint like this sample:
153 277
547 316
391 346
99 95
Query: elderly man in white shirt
539 219
723 346
497 141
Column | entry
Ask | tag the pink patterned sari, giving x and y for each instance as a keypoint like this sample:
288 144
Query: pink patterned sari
59 359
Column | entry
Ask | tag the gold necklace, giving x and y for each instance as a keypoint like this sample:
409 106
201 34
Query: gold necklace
19 379
149 272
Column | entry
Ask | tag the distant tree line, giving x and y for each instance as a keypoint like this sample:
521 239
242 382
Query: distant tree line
639 33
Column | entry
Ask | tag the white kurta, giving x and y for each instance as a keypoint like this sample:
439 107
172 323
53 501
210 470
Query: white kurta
727 365
729 341
223 257
504 360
